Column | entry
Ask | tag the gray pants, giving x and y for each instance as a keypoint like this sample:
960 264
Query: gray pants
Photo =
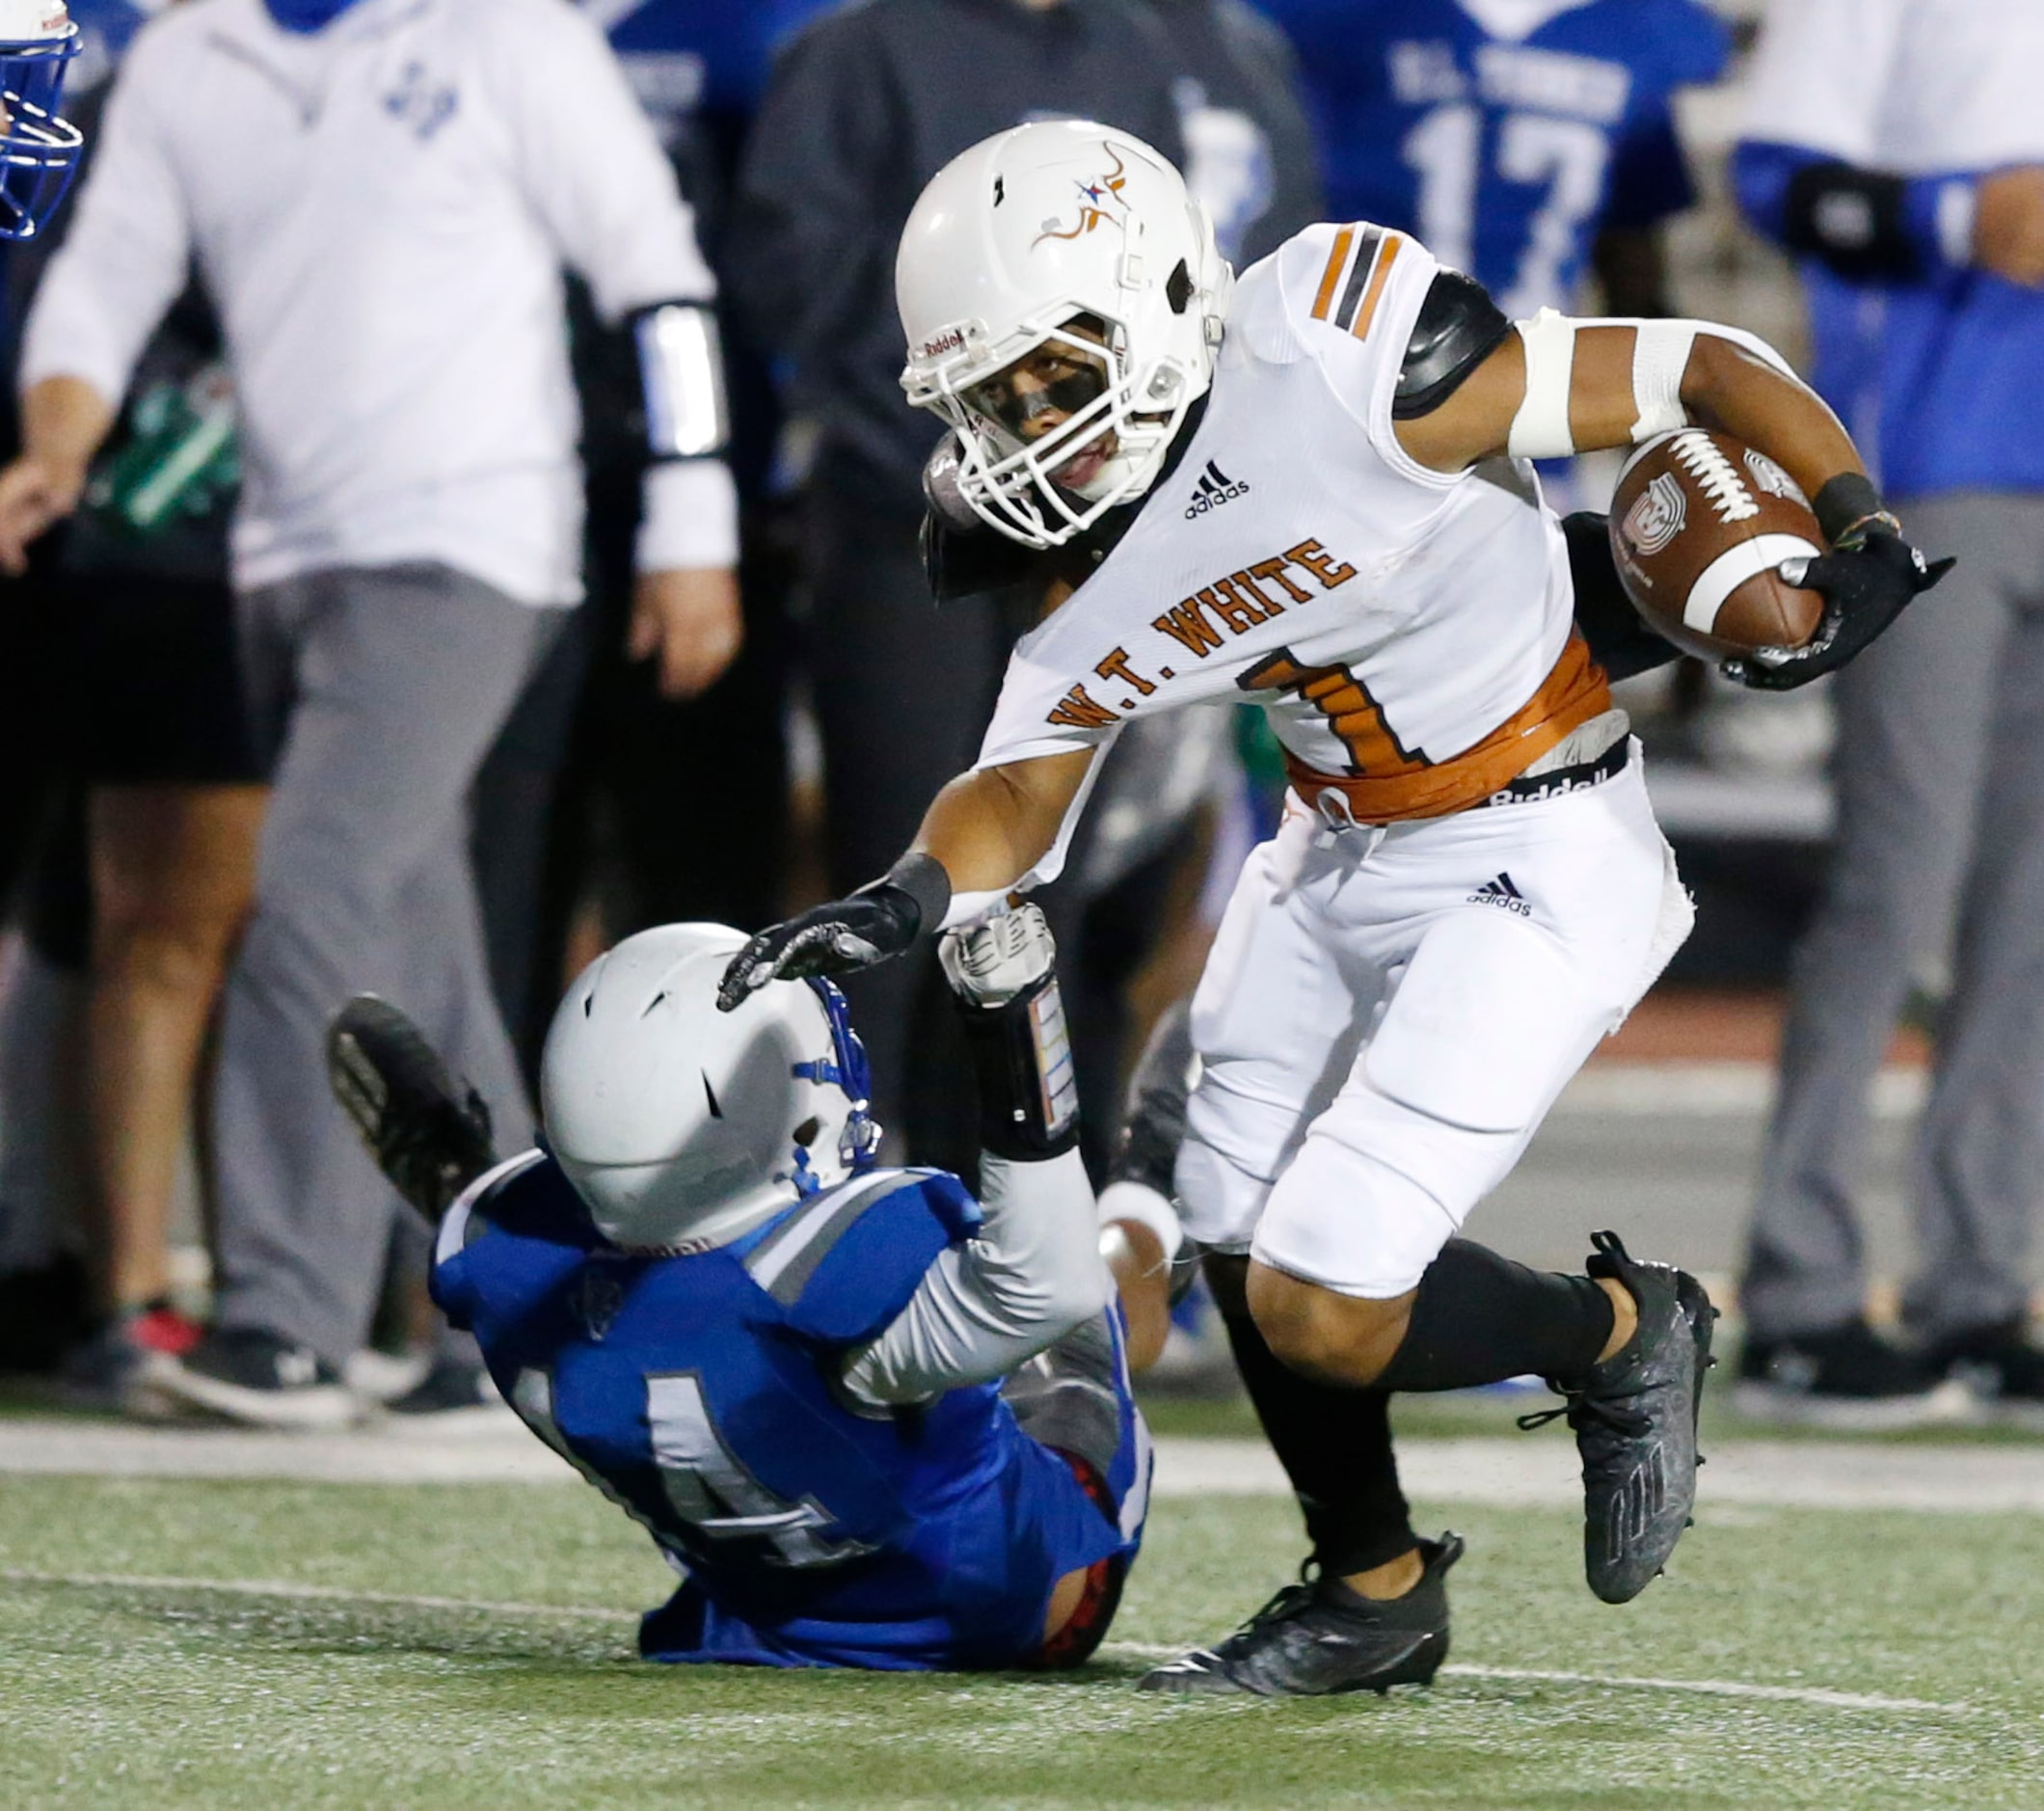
381 689
1940 774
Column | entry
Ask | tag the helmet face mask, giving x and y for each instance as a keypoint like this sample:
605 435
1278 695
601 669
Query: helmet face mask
1059 270
38 150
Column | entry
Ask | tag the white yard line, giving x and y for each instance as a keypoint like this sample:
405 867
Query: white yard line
1509 1470
308 1593
1709 1688
1712 1090
1721 1688
1127 1650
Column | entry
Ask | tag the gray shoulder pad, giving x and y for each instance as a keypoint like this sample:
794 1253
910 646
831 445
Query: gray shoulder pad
1458 326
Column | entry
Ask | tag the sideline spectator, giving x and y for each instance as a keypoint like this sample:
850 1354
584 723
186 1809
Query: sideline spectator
1898 146
1520 143
148 726
1249 146
864 107
46 1303
379 197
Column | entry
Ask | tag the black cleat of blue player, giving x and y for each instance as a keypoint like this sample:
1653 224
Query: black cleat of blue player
1315 1638
1634 1417
429 1136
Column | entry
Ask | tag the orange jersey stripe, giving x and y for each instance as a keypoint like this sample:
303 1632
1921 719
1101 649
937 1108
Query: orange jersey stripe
1377 278
1568 699
1332 274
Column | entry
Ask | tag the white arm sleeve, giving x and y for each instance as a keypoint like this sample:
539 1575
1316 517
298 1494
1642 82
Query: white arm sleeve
1661 359
128 253
1033 1274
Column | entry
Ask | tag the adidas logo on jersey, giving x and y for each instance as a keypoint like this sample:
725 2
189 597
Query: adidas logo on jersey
1214 488
1502 894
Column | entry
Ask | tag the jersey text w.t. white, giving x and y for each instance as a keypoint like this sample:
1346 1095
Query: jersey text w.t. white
1409 633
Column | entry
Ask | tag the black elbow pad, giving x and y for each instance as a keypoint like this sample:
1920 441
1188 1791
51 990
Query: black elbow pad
1459 326
1850 219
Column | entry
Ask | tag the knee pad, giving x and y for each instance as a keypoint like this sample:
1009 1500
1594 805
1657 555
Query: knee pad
1219 1201
1350 1221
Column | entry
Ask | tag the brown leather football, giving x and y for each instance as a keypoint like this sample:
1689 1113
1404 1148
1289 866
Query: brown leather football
1700 526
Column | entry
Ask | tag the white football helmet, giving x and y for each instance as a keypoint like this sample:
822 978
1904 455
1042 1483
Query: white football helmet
1070 232
682 1125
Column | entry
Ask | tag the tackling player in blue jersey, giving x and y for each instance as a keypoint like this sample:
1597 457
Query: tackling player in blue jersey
871 1420
1509 136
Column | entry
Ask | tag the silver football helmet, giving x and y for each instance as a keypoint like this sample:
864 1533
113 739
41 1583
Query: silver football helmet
683 1127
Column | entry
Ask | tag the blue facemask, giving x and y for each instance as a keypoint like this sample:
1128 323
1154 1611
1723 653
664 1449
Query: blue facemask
39 152
306 15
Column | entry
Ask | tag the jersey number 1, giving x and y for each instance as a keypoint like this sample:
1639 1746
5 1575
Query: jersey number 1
1352 713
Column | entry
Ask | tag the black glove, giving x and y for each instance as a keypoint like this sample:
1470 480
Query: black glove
883 918
1866 584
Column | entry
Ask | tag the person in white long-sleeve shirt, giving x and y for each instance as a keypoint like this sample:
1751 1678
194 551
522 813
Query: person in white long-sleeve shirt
381 197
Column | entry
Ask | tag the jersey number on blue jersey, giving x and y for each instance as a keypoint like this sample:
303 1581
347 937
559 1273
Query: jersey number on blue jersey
1445 151
716 1494
706 1482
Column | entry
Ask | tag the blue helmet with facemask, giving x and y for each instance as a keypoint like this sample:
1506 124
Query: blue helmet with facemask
38 149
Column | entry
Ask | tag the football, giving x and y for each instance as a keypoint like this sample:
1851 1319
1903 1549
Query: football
1700 526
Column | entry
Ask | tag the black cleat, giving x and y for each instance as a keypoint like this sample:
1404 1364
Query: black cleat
1316 1638
428 1135
1634 1418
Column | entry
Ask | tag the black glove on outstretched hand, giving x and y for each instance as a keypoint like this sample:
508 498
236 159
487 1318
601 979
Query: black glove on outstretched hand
1866 584
883 918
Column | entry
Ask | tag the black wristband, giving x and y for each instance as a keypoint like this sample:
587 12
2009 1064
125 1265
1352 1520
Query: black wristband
1021 1057
923 879
1845 499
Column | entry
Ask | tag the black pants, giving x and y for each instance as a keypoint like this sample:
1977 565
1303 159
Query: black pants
669 810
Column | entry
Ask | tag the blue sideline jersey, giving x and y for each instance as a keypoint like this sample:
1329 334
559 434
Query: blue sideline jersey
1936 371
1503 134
697 1392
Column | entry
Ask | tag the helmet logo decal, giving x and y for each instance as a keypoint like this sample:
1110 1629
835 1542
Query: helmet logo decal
1095 198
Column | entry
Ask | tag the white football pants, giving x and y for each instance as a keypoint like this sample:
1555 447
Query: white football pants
1389 1011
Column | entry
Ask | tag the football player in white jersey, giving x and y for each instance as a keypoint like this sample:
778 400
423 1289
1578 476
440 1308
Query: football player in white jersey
1311 489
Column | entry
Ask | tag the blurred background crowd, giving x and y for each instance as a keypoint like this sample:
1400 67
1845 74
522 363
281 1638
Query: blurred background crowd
370 636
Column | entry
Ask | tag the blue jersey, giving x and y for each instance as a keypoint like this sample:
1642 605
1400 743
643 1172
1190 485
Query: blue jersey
699 1392
1503 134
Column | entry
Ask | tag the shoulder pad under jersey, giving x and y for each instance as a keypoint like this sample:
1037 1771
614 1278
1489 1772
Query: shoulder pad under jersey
1458 327
845 1261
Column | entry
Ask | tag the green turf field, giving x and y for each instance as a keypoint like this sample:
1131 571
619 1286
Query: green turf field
124 1682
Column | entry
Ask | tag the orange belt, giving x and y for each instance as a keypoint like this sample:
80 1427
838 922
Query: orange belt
1568 699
